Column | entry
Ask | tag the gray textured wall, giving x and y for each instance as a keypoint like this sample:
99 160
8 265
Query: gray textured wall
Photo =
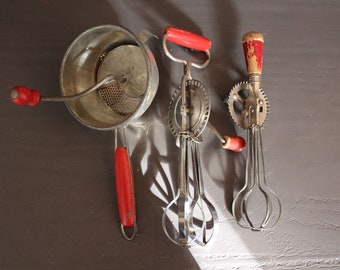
57 193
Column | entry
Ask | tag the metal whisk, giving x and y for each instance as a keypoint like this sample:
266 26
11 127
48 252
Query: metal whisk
190 216
248 107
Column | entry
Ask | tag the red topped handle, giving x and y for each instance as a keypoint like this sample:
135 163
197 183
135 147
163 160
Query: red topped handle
234 143
124 187
186 39
21 95
253 51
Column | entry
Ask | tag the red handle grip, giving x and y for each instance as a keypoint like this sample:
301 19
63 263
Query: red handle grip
234 143
21 95
253 51
124 187
186 39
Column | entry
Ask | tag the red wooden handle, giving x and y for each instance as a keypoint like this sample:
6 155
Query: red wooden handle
234 143
21 95
124 187
186 39
253 51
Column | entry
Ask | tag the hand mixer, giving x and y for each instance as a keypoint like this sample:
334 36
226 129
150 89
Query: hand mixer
248 107
190 216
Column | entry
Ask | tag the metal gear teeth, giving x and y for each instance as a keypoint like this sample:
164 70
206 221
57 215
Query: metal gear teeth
229 100
205 106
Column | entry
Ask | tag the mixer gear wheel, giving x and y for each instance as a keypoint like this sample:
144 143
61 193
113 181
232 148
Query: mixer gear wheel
199 109
243 101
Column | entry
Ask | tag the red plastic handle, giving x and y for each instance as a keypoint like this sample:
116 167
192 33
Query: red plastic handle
186 39
124 187
253 51
21 95
234 143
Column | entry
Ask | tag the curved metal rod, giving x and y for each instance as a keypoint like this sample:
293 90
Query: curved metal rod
271 195
255 180
108 79
186 234
199 186
125 235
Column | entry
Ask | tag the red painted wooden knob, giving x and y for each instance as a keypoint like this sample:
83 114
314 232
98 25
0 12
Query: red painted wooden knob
21 95
253 51
234 143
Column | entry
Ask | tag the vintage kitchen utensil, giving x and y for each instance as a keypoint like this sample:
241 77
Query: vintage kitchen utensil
108 78
186 123
190 216
248 106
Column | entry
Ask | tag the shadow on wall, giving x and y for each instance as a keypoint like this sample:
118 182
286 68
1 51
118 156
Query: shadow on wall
224 167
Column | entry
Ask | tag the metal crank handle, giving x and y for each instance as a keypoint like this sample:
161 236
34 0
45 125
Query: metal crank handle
125 193
253 52
22 95
232 143
186 39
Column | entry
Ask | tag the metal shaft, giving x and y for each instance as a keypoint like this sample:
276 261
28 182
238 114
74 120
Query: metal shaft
202 199
216 133
108 79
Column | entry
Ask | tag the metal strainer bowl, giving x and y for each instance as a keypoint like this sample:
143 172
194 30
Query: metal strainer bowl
99 52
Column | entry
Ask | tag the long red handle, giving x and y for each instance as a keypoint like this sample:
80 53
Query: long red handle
234 143
253 51
124 187
22 95
186 39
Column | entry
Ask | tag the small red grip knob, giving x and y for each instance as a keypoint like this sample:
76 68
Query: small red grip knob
186 39
234 143
253 51
21 95
124 187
